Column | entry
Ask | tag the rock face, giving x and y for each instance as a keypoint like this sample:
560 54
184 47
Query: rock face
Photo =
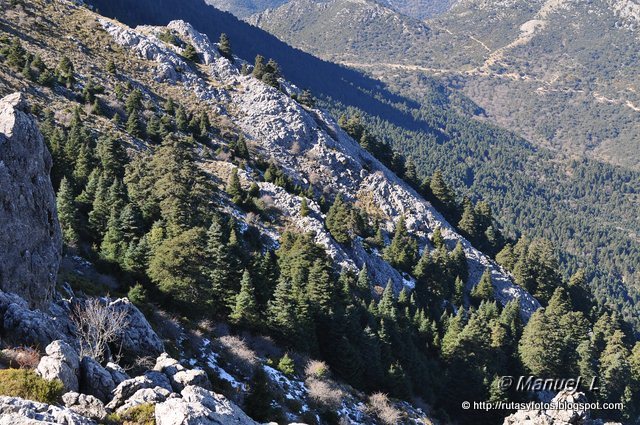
61 362
24 326
85 405
180 376
95 380
555 417
138 339
30 237
200 407
17 411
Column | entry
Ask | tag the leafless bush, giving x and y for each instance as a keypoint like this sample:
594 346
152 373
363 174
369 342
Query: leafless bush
237 355
263 346
20 357
98 325
324 392
380 406
316 369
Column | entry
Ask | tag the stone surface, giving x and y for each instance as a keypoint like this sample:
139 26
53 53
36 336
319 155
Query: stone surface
180 376
95 380
17 411
30 238
29 327
127 389
118 374
555 417
145 396
61 362
200 407
85 405
138 339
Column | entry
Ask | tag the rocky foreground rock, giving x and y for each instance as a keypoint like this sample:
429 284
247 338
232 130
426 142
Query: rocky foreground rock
30 237
572 416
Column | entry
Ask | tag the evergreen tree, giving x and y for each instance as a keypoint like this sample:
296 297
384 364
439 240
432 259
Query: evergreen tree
339 221
67 213
402 252
134 102
218 265
444 196
113 245
468 224
245 310
259 67
459 262
483 291
224 46
304 208
189 53
182 121
176 267
320 291
364 284
234 189
437 239
134 124
306 99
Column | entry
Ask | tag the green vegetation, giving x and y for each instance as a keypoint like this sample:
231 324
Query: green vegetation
25 383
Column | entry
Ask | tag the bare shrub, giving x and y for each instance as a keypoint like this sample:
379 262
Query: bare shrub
98 325
263 346
316 369
237 355
380 406
20 357
324 392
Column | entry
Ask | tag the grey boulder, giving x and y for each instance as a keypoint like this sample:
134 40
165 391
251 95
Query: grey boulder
17 411
200 407
95 380
138 339
61 362
85 405
127 389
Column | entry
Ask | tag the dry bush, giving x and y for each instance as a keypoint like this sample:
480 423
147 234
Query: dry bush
20 357
324 392
98 325
237 355
380 406
316 369
264 346
166 326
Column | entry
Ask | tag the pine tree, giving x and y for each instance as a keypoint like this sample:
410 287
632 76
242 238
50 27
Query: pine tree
437 239
134 102
134 124
245 311
614 371
234 189
541 346
459 262
364 284
483 291
306 99
218 265
113 245
402 252
182 121
339 221
67 213
190 53
468 224
387 304
258 67
304 208
224 46
444 196
176 267
319 289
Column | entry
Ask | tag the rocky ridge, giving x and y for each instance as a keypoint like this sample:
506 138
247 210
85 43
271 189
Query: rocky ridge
30 237
312 149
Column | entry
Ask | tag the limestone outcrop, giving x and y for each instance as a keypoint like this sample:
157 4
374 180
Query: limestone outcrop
30 236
